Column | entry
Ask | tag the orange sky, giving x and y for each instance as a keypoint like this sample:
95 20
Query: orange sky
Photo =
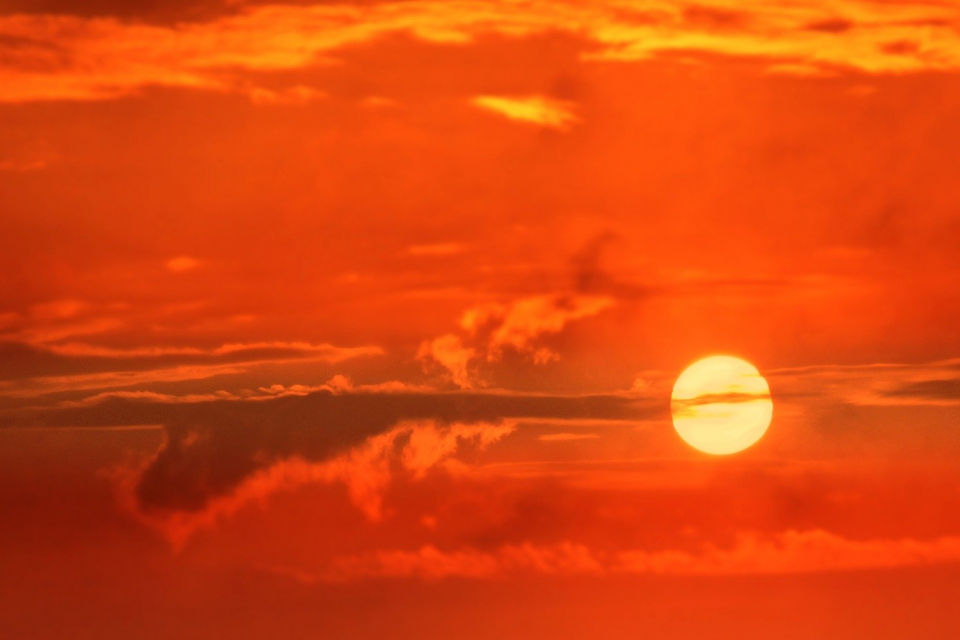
360 320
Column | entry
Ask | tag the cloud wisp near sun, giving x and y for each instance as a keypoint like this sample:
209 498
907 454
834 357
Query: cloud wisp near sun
479 319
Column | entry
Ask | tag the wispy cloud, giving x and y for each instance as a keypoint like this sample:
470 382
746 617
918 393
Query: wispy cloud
324 351
42 385
489 330
810 551
53 57
878 384
127 367
519 324
337 384
539 110
296 95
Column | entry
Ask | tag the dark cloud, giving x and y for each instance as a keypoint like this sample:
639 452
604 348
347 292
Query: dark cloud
212 447
929 390
156 11
715 18
160 11
587 271
832 25
589 275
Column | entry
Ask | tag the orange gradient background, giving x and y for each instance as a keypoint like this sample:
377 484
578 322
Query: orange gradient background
361 319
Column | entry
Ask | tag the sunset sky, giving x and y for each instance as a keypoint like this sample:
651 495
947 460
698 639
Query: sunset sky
356 320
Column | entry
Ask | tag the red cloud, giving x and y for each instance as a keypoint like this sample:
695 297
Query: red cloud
50 57
539 110
788 552
518 326
366 471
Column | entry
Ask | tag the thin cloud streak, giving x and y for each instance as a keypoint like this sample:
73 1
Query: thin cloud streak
928 384
790 552
241 357
545 112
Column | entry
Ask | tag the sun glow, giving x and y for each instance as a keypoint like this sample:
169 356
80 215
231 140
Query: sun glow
721 405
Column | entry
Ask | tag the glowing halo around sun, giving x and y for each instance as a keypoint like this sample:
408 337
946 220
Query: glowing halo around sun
721 405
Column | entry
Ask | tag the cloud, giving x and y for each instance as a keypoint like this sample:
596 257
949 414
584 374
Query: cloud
430 563
934 383
448 351
152 396
42 385
296 95
337 384
57 320
219 454
705 403
546 112
57 329
98 367
808 35
933 392
525 320
56 57
324 351
795 552
519 326
366 470
70 344
335 403
789 552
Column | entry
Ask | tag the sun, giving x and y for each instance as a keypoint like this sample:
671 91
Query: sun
721 405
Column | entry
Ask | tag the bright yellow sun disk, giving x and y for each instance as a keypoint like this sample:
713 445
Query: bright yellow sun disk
721 405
